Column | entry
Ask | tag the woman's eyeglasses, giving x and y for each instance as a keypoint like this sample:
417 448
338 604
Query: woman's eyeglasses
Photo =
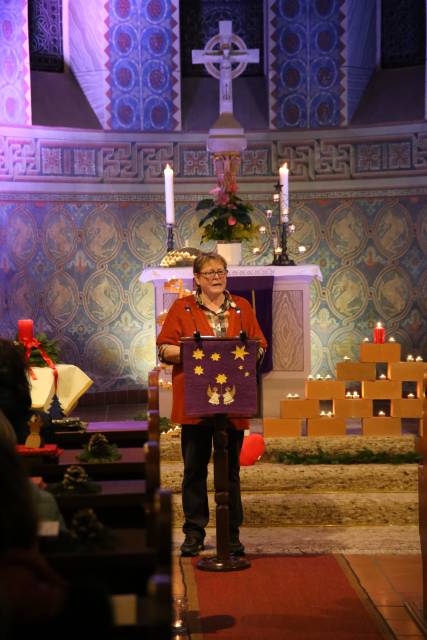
210 275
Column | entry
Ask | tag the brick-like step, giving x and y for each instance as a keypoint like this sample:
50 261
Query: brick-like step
281 495
315 509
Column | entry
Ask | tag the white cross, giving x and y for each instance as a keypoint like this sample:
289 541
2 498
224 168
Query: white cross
225 55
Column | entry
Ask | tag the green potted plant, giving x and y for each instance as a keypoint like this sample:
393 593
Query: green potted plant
228 218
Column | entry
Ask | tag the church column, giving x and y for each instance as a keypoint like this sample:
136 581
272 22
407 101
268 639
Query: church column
15 80
125 56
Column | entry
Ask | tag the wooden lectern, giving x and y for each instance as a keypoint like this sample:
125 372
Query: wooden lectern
220 383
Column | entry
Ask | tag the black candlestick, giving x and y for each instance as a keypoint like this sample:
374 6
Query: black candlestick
282 258
170 237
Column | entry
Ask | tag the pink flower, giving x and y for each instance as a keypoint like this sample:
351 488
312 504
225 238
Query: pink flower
222 198
231 220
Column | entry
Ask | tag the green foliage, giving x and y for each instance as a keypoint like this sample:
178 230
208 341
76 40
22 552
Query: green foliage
50 347
364 456
227 220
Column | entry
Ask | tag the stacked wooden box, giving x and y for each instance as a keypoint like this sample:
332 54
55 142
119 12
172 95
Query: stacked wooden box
294 410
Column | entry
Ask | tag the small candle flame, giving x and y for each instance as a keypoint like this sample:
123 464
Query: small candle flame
383 376
410 395
410 358
365 339
418 359
391 339
381 413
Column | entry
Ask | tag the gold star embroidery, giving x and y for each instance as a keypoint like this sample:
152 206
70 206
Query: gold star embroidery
215 357
198 354
199 370
240 352
221 378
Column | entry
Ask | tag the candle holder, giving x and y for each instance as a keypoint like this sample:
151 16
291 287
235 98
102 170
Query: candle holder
169 242
284 229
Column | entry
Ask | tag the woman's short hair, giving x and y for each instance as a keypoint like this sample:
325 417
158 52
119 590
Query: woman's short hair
203 258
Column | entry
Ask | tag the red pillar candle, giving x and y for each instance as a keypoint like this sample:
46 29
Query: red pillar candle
25 330
379 333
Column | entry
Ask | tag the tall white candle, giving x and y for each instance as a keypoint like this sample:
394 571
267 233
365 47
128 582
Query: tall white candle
284 192
169 199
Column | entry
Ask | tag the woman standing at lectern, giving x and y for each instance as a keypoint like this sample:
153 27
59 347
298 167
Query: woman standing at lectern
211 311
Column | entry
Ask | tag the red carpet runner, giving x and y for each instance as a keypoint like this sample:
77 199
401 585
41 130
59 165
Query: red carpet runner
281 598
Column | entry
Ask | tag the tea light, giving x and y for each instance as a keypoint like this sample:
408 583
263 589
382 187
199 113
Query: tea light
268 213
296 395
329 414
418 359
381 413
256 250
302 248
365 339
289 395
328 377
276 197
291 228
278 250
410 395
391 339
355 394
346 358
410 358
310 378
319 377
322 413
262 229
348 394
383 376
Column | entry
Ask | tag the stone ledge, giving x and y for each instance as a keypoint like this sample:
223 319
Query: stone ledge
171 445
272 510
310 478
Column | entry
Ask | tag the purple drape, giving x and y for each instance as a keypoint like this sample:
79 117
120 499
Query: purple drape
260 288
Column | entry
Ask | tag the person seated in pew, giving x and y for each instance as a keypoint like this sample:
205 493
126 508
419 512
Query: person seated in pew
32 594
15 412
15 396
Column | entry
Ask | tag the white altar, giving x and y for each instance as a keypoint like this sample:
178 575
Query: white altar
291 324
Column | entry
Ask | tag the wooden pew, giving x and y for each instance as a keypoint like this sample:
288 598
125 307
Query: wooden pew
141 562
420 615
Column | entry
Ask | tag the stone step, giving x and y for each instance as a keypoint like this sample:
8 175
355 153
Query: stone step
320 509
360 478
171 446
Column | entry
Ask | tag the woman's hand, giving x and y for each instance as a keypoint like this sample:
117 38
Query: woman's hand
170 354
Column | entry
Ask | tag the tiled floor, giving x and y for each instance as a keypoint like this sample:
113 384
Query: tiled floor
389 580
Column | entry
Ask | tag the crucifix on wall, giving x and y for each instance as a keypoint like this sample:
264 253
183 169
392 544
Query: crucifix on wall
221 53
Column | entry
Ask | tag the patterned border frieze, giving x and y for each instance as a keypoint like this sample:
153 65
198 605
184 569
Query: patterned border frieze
37 156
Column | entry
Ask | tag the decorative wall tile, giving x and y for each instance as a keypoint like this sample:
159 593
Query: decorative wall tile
73 265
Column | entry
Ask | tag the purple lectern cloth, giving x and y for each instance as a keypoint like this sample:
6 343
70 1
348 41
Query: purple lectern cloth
220 377
259 288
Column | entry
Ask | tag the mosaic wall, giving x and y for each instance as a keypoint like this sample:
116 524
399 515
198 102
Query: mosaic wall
305 63
73 267
15 83
143 63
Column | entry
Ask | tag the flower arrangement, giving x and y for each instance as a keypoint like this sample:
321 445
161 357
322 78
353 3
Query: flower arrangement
228 218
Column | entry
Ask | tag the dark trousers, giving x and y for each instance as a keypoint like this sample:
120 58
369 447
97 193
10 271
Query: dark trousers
196 445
